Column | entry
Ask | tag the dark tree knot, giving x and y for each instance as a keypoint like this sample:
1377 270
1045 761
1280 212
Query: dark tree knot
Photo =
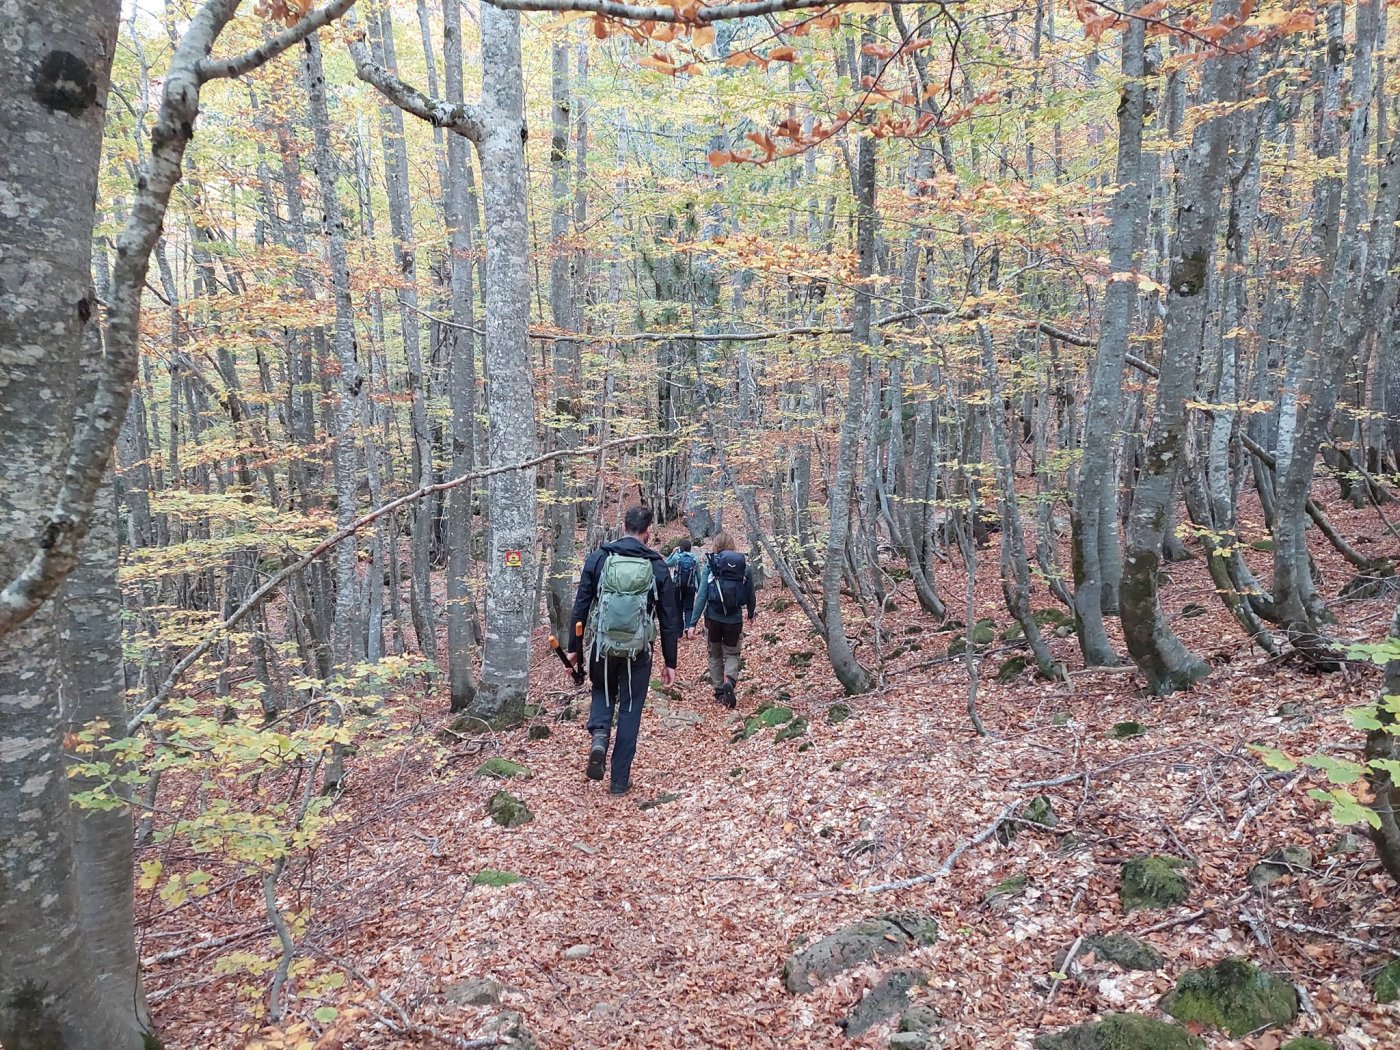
64 83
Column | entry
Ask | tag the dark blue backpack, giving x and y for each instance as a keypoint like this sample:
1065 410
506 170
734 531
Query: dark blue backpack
685 570
728 575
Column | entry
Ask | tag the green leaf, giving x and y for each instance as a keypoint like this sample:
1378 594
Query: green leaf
1364 718
326 1014
1274 758
1345 808
1339 771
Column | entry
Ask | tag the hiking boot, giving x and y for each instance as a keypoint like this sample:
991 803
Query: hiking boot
721 697
730 699
619 789
597 756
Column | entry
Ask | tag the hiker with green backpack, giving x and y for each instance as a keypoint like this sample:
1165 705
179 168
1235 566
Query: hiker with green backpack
625 587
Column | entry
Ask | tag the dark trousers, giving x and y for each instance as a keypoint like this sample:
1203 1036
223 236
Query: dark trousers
685 597
724 641
621 685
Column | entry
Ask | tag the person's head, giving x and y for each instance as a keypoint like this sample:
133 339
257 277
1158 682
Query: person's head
685 545
722 542
638 522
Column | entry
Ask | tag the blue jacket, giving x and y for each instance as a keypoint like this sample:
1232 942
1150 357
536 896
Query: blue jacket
749 599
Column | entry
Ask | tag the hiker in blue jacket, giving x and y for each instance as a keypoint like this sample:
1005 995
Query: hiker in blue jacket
725 590
625 587
685 570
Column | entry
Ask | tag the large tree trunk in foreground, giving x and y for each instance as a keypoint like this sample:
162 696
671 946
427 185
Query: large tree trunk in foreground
53 84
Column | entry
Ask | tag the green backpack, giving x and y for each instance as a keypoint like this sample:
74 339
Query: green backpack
621 622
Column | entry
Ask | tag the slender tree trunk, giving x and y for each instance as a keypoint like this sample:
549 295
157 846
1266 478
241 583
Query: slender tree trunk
1097 561
1154 646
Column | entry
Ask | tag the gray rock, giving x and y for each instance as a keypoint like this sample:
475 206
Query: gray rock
861 942
919 1019
1127 952
912 1041
888 997
510 1027
1279 863
578 951
475 991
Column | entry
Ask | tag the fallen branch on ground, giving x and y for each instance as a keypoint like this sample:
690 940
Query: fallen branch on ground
947 865
1089 774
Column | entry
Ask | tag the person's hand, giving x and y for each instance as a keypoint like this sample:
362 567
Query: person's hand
668 676
690 632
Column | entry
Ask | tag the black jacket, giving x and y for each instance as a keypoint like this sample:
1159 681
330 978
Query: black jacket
701 607
664 605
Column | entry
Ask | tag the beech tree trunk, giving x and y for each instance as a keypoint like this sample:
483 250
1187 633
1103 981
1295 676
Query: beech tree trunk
53 90
511 548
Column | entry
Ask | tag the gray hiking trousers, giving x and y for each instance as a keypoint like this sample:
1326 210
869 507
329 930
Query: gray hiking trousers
724 642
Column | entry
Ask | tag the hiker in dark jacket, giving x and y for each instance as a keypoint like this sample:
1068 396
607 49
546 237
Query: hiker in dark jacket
725 590
619 604
685 571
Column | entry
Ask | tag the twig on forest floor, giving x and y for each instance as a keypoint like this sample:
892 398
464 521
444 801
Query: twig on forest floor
1063 971
952 858
212 942
1322 931
1264 803
1088 774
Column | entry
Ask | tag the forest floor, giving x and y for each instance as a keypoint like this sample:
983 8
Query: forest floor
669 926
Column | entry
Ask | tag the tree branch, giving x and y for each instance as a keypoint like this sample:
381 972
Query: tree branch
464 118
277 579
947 866
236 66
62 537
695 16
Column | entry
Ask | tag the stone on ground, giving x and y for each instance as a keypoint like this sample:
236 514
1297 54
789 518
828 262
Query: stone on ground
889 996
1153 882
877 937
494 877
502 769
475 991
1279 863
509 1029
1038 811
1121 1032
1127 952
1126 730
1306 1042
794 729
1234 996
509 811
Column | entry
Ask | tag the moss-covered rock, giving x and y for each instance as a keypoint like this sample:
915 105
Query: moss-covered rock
1127 952
838 713
1011 886
1038 812
1126 730
984 632
792 730
1386 986
1153 882
475 991
765 716
1121 1032
919 1019
494 877
1306 1042
660 800
1279 863
860 942
800 659
912 1041
509 811
539 732
889 996
1193 610
1233 996
1011 669
502 769
1061 718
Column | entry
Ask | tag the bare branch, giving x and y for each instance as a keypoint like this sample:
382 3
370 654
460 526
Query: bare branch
463 118
695 16
222 68
276 580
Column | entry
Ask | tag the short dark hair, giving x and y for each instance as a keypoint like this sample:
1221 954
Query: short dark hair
685 544
638 519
